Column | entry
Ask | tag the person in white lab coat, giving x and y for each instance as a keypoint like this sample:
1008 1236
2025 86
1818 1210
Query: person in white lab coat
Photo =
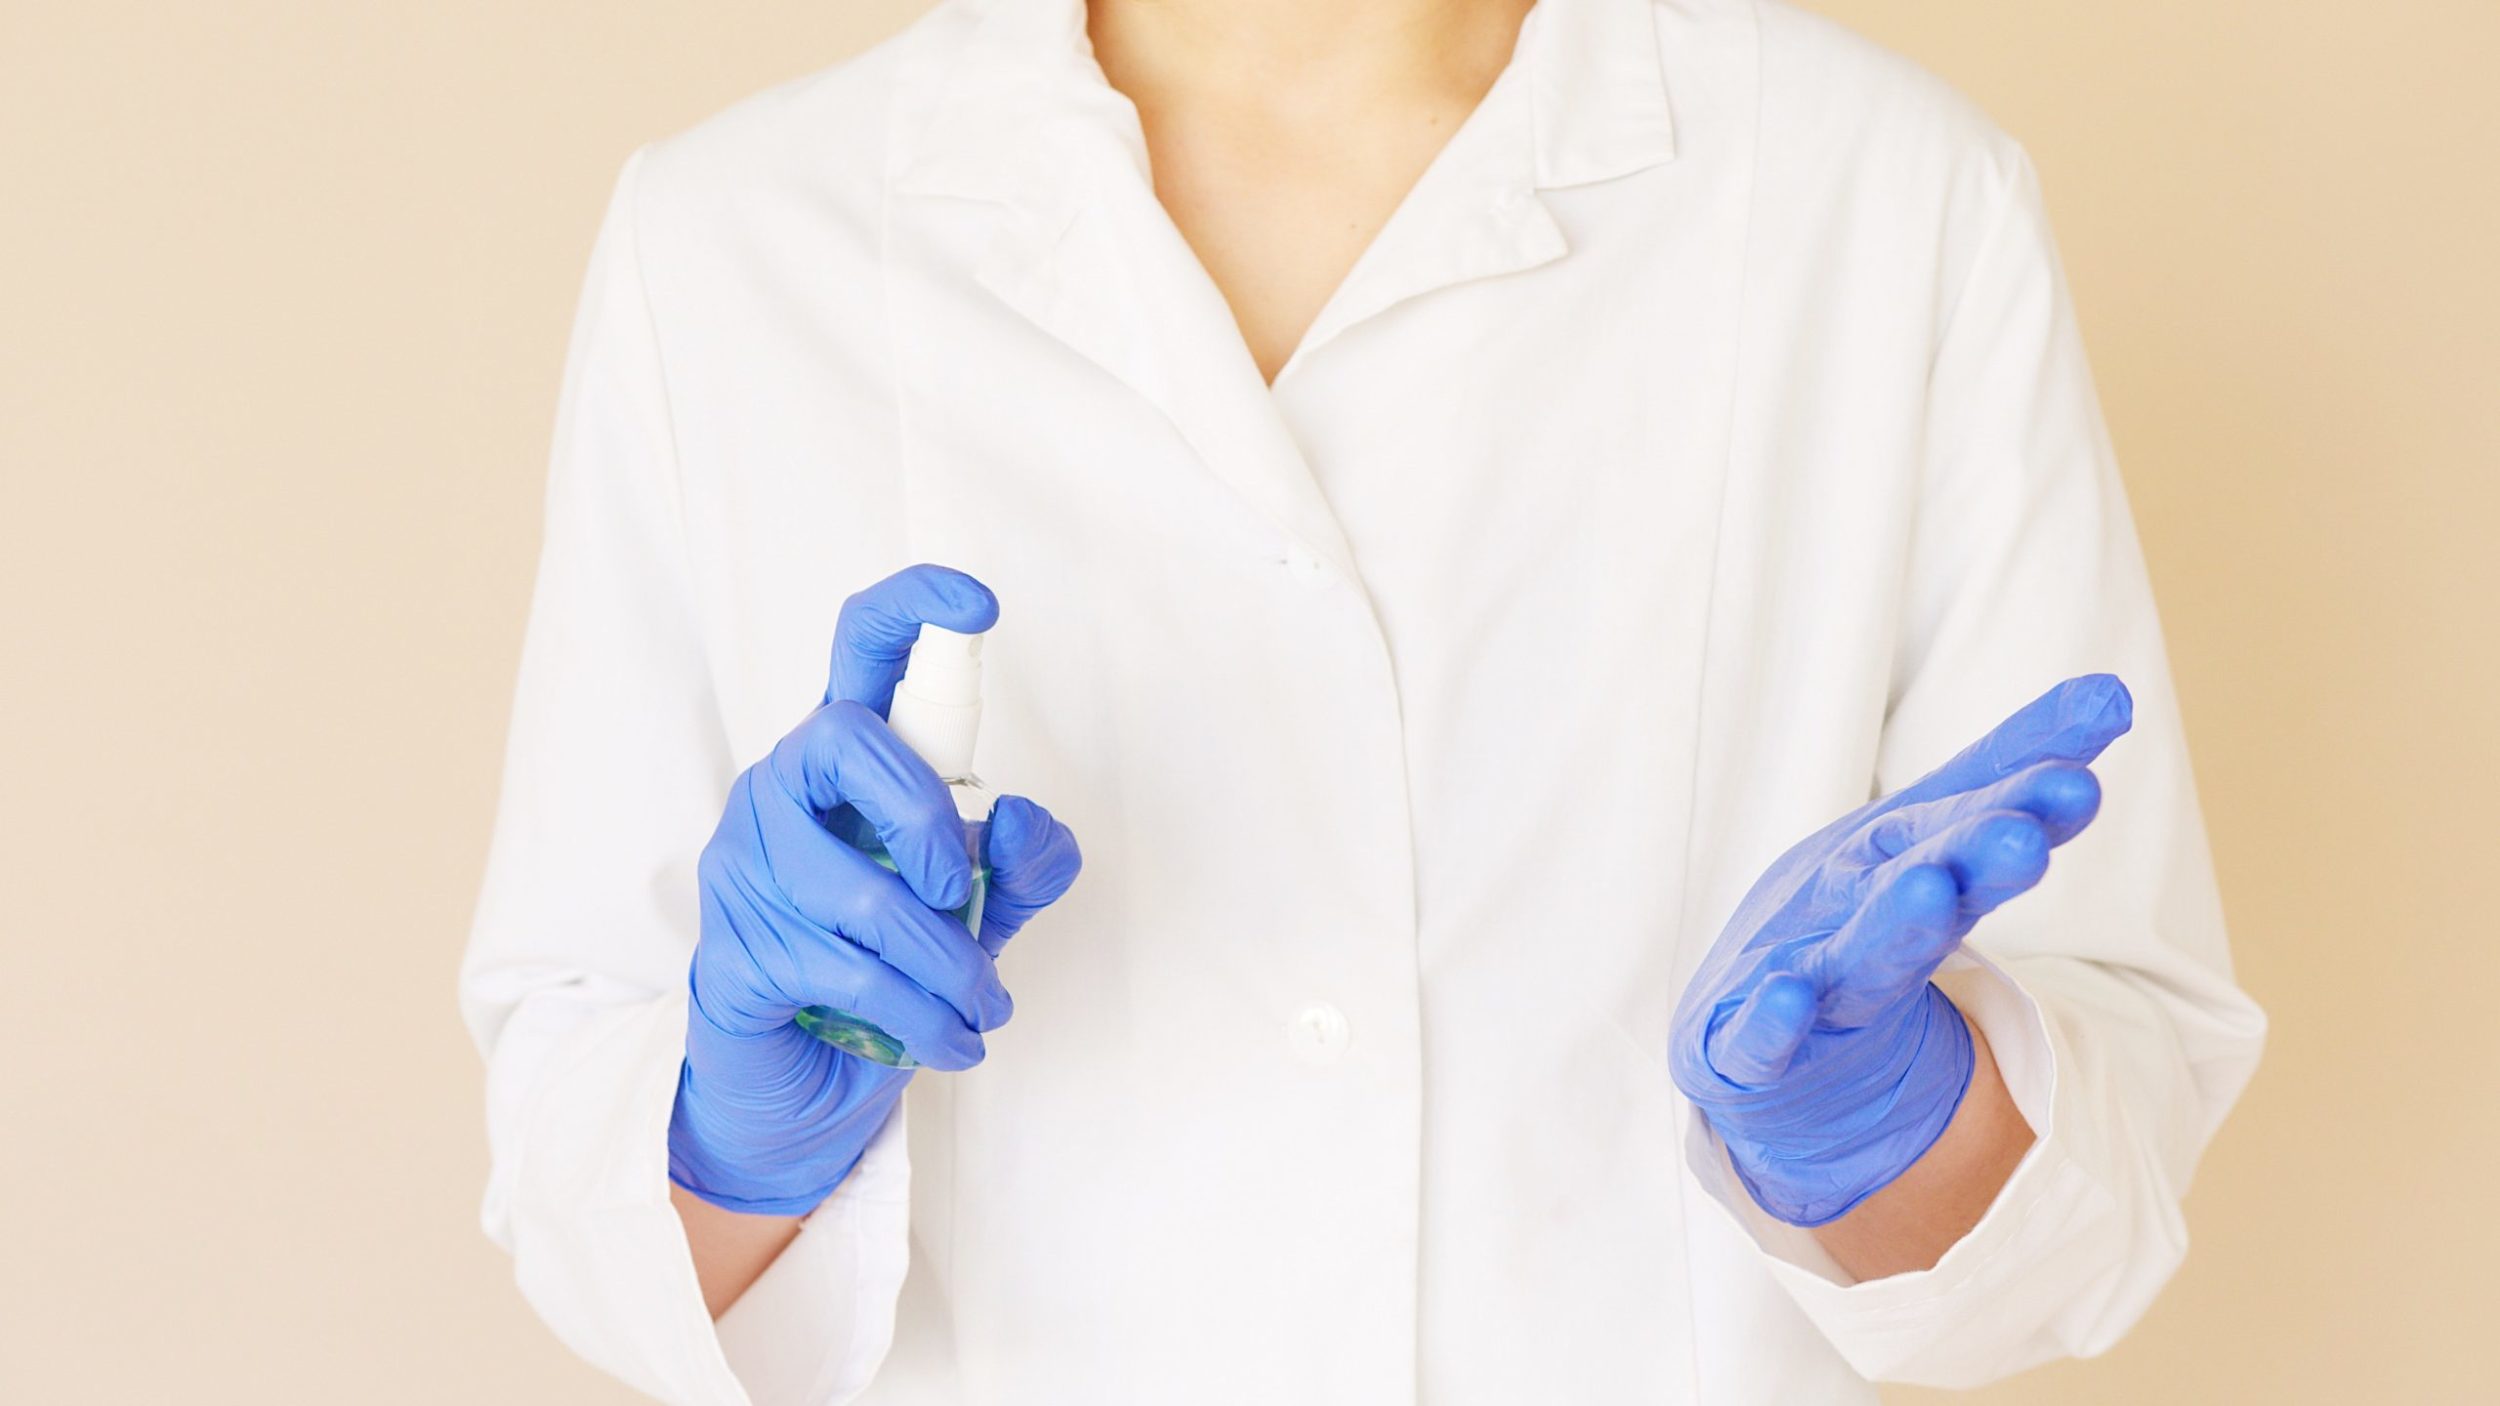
1471 493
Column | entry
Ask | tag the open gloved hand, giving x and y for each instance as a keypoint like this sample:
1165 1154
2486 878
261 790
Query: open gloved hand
769 1119
1811 1037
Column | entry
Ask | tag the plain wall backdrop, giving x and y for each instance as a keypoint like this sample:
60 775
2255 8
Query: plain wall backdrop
284 287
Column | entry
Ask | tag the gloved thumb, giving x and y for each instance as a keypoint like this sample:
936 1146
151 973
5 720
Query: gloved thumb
1753 1046
1033 860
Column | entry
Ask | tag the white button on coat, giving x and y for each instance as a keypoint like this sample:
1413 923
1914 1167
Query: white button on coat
1705 446
1319 1033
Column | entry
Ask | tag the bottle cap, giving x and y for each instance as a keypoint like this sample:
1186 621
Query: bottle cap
937 706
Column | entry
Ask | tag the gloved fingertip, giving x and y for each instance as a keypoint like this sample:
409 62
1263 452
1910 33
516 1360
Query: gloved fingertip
938 884
973 592
2098 707
998 1006
1033 853
2066 798
1788 997
1011 824
968 605
1924 896
953 1055
1756 1044
938 872
2069 787
2013 846
2118 702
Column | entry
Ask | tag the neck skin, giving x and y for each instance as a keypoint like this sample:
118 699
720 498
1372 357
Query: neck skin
1307 59
1282 134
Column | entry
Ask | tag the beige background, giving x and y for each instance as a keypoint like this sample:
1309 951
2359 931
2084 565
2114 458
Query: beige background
283 291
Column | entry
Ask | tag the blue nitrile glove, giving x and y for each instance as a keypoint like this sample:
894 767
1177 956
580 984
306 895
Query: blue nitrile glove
1811 1037
769 1119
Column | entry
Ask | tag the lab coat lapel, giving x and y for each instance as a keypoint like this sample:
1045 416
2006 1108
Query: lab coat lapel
1027 130
1121 285
1473 214
1583 100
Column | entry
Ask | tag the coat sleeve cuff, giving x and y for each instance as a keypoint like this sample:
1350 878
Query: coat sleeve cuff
814 1328
1888 1329
600 1253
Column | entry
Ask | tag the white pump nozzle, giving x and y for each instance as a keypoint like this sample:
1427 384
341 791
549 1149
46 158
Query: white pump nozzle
937 706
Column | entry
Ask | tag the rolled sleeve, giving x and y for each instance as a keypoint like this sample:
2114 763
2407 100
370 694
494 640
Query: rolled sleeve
2051 1255
814 1328
575 978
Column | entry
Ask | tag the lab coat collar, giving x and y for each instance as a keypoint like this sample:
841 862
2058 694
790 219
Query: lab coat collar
1026 83
1021 121
1025 127
1598 90
1021 101
1583 100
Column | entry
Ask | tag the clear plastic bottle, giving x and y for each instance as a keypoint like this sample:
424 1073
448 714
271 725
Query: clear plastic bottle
936 713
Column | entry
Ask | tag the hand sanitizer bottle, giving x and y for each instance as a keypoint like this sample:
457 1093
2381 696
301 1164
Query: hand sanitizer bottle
936 713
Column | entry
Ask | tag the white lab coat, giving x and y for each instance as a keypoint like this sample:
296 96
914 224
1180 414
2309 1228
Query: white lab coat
1705 446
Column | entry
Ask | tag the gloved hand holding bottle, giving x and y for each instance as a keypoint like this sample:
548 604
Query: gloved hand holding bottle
1811 1037
769 1118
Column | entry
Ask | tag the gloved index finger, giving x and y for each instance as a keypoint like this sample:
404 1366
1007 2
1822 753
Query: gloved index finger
2064 795
2075 722
844 755
873 637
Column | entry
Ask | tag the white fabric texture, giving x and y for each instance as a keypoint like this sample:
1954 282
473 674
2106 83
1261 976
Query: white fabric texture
1704 447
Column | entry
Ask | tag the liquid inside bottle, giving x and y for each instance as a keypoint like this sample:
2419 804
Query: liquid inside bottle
847 1032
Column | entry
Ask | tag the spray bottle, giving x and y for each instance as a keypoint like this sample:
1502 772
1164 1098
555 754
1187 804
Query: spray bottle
936 713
